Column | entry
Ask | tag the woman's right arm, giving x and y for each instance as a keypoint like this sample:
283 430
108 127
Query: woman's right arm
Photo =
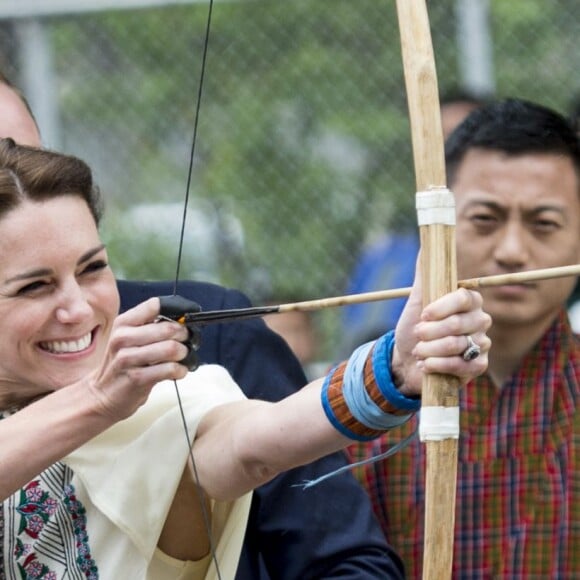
141 353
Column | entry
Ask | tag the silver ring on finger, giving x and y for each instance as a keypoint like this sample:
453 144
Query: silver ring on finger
472 351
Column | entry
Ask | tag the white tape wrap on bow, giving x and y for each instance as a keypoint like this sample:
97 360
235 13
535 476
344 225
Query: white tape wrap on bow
438 423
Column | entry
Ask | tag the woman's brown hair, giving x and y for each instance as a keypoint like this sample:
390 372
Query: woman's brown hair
28 173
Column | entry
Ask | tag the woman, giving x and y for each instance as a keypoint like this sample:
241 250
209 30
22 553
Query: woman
95 477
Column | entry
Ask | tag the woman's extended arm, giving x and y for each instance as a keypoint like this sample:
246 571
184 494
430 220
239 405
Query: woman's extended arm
242 445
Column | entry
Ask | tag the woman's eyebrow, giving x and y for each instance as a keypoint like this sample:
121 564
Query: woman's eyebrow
39 272
31 274
88 255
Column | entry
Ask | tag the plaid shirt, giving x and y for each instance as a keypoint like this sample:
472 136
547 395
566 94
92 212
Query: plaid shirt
518 482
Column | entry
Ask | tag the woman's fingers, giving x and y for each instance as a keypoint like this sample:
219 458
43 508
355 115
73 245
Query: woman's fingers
140 326
450 346
456 366
434 339
453 304
126 336
152 353
144 312
141 353
442 335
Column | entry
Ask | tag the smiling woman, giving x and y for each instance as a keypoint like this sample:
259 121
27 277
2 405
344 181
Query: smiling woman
87 398
58 295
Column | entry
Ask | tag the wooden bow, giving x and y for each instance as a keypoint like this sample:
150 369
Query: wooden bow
439 271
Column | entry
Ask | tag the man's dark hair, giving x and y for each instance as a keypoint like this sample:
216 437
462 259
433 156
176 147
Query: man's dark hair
514 127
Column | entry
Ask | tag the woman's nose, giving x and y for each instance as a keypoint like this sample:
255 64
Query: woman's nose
74 306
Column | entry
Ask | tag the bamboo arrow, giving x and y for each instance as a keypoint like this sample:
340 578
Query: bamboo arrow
215 316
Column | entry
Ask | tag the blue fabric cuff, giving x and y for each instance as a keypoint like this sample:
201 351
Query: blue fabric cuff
328 409
356 397
382 357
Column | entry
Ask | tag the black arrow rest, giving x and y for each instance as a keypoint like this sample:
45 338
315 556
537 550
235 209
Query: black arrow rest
178 308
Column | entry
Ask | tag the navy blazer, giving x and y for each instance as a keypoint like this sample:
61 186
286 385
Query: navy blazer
327 531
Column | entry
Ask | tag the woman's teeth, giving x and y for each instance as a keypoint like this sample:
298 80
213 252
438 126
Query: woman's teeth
67 346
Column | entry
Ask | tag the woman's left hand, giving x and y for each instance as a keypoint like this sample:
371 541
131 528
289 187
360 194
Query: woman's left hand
433 339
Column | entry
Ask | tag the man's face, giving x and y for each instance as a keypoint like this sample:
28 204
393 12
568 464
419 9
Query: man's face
514 214
15 120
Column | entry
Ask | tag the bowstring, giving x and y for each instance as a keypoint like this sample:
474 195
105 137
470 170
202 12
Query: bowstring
193 143
206 517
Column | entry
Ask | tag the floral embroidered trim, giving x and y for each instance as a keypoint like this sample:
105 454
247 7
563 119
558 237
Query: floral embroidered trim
36 507
79 519
31 569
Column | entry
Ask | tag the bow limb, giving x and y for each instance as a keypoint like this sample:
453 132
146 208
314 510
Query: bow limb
436 216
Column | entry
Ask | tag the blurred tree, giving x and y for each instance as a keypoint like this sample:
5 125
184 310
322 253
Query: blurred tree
303 136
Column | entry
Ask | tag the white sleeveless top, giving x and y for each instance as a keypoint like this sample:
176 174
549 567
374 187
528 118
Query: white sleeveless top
99 513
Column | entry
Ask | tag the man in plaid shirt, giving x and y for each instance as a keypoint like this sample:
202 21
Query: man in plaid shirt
514 168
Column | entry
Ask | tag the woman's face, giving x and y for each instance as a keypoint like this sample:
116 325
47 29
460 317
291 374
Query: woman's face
58 297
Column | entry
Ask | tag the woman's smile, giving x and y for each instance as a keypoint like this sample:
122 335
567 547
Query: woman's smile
68 346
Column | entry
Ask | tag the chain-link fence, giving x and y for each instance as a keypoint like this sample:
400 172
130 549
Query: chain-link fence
303 147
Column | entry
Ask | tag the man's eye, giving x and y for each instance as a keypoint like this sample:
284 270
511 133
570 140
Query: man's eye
484 220
547 226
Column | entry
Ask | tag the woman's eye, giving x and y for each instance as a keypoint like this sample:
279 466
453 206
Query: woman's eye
95 266
32 287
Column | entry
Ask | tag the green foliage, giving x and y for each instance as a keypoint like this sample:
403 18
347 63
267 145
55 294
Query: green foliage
536 50
303 132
